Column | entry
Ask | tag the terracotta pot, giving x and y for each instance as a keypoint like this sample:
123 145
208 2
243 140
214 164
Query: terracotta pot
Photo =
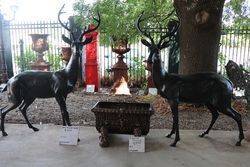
40 43
66 53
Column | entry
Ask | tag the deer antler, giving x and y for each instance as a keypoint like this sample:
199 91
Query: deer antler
59 19
146 34
65 39
173 27
88 30
171 31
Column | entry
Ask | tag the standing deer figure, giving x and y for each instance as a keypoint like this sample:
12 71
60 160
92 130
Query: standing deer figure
209 89
25 87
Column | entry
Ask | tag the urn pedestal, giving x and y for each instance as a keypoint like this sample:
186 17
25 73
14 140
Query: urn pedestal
120 71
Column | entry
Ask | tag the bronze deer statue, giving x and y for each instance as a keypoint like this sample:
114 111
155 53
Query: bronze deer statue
25 87
210 89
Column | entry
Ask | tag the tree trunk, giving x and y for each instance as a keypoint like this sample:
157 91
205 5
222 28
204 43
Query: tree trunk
200 31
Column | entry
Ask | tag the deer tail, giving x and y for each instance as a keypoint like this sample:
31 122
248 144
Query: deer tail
2 108
3 88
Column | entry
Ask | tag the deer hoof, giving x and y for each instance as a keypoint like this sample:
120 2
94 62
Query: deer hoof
78 140
168 136
4 134
173 144
202 135
238 143
35 129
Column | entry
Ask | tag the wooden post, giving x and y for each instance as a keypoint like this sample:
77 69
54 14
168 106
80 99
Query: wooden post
7 47
3 70
91 61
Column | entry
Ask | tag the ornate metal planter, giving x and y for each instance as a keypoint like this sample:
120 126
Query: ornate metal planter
121 118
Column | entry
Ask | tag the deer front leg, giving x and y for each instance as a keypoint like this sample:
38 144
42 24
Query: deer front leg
65 115
174 109
173 130
215 115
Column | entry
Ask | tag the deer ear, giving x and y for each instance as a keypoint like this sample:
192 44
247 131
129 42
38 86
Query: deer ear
145 42
66 39
87 40
165 44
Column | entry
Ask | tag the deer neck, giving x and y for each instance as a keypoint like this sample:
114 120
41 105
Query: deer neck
158 73
72 68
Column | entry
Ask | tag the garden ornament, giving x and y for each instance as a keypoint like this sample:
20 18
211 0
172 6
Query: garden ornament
209 89
25 87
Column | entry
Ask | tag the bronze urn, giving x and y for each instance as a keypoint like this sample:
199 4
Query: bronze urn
40 45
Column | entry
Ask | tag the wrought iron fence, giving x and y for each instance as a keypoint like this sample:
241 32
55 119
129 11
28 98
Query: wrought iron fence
21 43
235 45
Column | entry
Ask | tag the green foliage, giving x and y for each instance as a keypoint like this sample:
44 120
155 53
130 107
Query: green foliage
55 61
237 12
137 70
29 56
118 16
24 61
222 59
82 10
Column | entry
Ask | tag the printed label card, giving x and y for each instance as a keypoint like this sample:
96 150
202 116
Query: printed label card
136 144
69 135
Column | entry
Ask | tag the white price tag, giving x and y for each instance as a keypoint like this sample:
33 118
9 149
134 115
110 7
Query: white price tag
136 144
90 88
152 91
69 135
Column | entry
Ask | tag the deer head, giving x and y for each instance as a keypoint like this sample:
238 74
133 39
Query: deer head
77 41
154 48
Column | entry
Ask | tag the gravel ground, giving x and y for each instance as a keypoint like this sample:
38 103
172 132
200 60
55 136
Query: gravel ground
79 106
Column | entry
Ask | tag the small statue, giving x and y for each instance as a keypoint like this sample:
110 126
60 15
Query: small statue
237 75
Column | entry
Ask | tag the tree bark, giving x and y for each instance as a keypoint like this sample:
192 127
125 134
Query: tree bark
200 31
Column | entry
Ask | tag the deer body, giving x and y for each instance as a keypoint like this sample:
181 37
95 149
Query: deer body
201 88
210 89
25 87
32 84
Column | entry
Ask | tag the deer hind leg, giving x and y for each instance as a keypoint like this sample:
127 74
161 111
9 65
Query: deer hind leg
215 115
174 109
65 115
3 114
21 106
229 111
27 103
